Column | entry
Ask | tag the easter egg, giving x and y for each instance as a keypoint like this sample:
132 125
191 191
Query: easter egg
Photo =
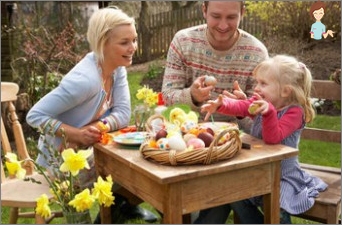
224 139
188 136
196 143
176 142
253 107
210 81
157 124
210 131
206 137
163 143
161 134
188 125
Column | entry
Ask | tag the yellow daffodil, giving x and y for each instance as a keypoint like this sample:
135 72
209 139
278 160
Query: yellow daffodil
147 95
73 161
61 182
43 208
103 191
152 99
177 116
192 116
14 166
62 189
82 201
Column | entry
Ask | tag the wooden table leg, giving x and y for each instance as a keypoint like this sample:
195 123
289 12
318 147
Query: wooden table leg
173 205
271 201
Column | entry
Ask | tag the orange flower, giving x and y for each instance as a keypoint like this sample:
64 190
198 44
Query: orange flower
106 138
152 144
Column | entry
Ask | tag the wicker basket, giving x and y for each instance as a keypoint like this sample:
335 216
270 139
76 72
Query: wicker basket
209 155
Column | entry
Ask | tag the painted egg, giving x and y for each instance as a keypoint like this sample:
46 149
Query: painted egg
253 107
161 134
224 139
188 136
188 125
196 143
206 137
157 125
210 81
163 143
176 142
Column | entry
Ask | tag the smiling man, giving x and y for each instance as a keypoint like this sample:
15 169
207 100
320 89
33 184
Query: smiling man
218 48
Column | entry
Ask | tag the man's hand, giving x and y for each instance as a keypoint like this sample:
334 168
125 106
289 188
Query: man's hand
199 92
237 92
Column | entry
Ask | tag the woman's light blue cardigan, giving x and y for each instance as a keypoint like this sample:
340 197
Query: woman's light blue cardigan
78 100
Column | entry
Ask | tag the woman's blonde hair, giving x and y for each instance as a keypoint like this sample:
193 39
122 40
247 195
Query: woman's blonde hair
289 72
101 23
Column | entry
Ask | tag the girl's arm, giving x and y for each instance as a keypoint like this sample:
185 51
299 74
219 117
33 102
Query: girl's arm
228 106
275 130
235 107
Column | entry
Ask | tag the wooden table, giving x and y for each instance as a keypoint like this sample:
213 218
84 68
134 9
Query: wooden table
179 190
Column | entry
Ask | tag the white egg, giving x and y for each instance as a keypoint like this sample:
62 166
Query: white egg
163 143
176 142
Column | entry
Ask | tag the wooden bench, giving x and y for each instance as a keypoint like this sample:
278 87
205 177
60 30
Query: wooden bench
327 207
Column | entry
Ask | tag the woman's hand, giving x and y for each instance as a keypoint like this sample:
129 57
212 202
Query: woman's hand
89 135
80 137
211 106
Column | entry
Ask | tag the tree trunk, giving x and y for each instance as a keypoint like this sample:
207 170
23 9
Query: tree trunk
144 24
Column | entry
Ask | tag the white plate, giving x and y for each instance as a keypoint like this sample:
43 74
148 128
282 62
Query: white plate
132 138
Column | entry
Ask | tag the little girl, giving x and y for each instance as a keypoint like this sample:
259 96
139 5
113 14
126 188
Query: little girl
280 108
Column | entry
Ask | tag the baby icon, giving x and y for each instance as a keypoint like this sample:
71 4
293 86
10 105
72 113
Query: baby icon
318 28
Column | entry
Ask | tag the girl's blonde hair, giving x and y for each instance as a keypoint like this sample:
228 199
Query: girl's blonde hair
289 72
101 23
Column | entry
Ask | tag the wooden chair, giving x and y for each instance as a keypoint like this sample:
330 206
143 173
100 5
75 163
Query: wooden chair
16 193
327 207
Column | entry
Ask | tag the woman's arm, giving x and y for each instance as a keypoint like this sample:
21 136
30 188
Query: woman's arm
60 110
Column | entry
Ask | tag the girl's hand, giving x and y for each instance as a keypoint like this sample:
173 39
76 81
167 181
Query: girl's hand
262 106
237 92
211 106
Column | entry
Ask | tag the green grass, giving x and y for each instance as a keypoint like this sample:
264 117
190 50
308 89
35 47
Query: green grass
313 152
134 80
322 153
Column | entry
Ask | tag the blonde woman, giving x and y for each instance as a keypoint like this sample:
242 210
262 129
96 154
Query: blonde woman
95 89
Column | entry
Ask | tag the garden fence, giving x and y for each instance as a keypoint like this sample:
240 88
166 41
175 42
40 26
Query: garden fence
163 26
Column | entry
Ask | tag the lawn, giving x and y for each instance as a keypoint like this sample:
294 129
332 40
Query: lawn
322 156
